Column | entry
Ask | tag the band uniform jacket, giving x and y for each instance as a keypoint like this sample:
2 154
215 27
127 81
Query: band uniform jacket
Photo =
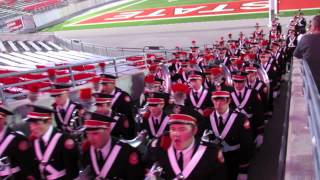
122 103
206 162
251 105
236 141
121 127
17 149
202 102
155 129
64 157
63 117
124 162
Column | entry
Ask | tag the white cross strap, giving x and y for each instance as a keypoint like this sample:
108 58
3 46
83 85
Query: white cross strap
65 120
244 101
108 163
44 158
5 143
115 98
201 99
190 166
230 122
161 129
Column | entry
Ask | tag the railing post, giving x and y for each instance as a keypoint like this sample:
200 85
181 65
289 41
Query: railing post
145 60
3 98
72 77
82 48
115 66
71 44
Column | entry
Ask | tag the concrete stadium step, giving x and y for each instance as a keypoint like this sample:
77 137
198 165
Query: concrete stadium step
33 59
44 57
53 55
18 60
13 46
7 62
2 47
44 46
35 46
55 45
24 46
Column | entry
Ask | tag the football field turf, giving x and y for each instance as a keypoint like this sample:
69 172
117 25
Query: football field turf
152 12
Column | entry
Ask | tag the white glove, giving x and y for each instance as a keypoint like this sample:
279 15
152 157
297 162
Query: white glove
259 140
242 177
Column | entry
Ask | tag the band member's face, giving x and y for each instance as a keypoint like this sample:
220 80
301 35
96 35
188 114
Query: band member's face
2 121
182 135
238 85
155 110
61 99
103 108
221 104
98 138
39 128
156 88
252 76
196 84
108 87
264 59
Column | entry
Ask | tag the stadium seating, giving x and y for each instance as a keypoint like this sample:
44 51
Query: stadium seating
13 8
18 56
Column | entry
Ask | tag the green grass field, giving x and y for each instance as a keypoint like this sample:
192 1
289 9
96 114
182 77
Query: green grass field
145 4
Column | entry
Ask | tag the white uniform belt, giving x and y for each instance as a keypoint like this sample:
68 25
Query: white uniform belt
244 112
9 171
227 148
54 174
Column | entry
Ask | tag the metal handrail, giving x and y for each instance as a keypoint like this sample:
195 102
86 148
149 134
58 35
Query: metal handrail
312 97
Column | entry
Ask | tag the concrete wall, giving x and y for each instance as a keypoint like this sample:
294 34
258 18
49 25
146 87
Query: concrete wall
54 16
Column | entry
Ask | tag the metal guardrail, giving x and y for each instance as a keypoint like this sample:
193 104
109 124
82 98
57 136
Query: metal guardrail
113 66
313 105
78 45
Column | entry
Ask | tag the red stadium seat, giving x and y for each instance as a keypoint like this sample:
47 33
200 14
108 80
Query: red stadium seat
41 5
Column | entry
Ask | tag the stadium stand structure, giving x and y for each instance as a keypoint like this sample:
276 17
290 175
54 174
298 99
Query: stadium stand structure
43 61
31 15
26 62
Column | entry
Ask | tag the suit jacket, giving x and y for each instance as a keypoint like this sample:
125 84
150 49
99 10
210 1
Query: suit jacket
65 155
209 166
19 154
63 119
253 108
127 164
124 105
240 133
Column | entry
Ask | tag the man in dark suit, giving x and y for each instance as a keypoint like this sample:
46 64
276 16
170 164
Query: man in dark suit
121 101
184 157
106 157
155 121
232 131
198 97
66 111
56 154
120 128
15 152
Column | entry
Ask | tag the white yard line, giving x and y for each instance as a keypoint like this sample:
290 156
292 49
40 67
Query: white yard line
114 10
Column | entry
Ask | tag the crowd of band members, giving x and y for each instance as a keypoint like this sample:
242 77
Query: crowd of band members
204 128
